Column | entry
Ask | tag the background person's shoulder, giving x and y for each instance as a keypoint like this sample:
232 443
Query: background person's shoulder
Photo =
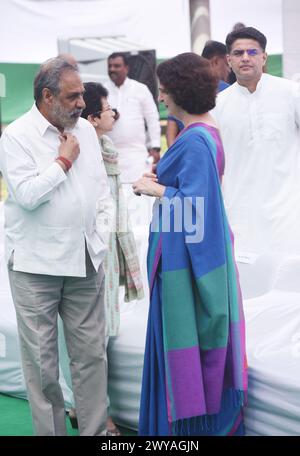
225 94
283 85
84 124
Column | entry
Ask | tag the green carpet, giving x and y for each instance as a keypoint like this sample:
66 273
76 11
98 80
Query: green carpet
15 419
15 416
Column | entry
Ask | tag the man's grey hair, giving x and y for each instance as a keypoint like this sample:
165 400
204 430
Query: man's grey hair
49 76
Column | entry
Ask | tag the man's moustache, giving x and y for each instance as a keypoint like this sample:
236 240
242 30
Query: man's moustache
76 113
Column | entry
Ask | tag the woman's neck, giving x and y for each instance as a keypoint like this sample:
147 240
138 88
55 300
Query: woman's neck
99 133
189 119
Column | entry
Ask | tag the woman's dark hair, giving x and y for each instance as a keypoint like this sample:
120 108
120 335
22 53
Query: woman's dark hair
190 81
94 91
246 33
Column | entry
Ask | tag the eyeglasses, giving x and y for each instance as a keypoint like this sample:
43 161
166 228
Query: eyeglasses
108 108
117 114
241 52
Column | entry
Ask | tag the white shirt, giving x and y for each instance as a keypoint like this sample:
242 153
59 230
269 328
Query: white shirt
50 214
136 106
260 133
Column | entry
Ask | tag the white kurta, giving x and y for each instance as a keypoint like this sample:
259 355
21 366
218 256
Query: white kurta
260 133
136 106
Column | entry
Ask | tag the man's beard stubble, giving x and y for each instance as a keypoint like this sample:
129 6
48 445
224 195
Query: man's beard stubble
63 118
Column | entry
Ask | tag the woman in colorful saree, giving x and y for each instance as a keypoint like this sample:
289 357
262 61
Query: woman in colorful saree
195 369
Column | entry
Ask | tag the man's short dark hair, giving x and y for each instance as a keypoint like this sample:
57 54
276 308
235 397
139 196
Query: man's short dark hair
49 76
190 81
94 91
214 49
247 33
238 26
123 55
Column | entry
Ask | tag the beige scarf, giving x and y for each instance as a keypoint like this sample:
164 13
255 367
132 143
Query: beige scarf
121 264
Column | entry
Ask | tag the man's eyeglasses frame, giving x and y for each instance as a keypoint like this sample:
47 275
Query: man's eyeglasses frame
250 52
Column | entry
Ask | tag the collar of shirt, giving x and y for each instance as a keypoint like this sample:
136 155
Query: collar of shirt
125 84
42 123
258 87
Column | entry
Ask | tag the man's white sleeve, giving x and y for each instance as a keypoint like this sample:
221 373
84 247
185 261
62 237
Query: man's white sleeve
29 187
151 117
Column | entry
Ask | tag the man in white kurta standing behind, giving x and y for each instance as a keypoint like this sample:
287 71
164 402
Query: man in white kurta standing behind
136 106
259 118
58 203
137 148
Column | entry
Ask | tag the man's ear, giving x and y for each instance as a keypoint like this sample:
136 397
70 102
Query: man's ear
228 60
91 118
47 96
265 55
214 61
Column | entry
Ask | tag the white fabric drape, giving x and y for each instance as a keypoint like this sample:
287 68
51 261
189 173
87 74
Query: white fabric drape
29 29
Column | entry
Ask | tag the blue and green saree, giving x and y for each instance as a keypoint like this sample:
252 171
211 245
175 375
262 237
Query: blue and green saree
195 369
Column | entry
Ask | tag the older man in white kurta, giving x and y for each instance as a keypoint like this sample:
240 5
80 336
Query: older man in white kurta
259 118
57 205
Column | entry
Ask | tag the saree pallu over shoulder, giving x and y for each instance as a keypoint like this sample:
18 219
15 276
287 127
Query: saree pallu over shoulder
202 315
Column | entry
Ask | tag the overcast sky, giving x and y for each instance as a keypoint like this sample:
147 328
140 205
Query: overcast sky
264 15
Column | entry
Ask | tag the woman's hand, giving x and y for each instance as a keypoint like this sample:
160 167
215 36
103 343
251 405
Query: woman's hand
147 185
151 176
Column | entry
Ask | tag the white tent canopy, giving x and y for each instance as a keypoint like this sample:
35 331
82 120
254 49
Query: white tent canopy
265 15
29 29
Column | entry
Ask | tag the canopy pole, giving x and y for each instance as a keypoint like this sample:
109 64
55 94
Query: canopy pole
291 43
200 24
